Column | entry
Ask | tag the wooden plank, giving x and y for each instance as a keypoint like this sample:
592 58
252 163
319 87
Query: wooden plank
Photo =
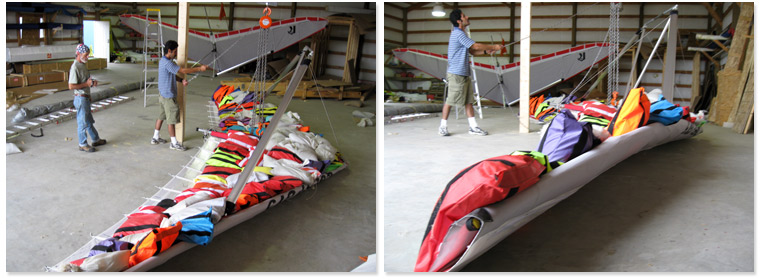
394 29
750 120
738 43
182 32
740 111
718 19
729 78
21 95
393 17
728 88
574 28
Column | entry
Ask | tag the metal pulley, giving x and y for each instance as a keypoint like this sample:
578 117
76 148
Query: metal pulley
265 21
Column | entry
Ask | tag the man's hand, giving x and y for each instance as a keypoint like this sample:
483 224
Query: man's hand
94 82
204 67
490 51
184 82
89 82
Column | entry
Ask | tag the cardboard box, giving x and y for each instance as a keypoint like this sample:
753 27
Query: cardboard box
34 79
48 67
44 78
32 68
52 77
64 73
92 64
14 80
64 66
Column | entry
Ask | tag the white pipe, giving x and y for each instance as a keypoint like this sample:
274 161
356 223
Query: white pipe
525 68
644 69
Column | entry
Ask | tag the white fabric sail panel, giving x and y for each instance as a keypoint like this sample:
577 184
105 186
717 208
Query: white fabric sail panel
37 53
545 69
236 48
501 219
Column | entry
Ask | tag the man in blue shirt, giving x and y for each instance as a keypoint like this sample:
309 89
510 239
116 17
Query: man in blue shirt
458 71
167 87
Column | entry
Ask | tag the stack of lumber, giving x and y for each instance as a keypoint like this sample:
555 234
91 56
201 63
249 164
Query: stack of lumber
46 72
733 103
325 88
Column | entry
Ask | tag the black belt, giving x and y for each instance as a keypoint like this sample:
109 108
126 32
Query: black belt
83 95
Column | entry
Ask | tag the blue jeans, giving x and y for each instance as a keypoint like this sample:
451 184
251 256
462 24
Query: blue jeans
84 121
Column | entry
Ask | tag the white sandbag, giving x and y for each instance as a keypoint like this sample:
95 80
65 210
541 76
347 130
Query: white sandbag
11 148
107 262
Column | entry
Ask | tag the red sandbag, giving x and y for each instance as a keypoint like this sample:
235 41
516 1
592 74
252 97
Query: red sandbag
481 184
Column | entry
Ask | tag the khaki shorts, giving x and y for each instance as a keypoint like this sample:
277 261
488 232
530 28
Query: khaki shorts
168 110
460 90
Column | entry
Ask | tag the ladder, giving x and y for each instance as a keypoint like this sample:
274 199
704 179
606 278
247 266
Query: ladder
153 44
474 79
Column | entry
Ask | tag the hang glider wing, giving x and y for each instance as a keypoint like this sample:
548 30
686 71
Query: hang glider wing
545 70
236 48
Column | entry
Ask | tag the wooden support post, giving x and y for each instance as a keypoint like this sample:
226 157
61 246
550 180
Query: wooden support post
695 69
293 8
718 19
351 52
182 28
511 32
231 17
721 45
97 13
717 64
574 30
404 24
524 67
634 70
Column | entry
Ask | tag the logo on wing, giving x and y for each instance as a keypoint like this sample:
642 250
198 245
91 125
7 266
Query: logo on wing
582 56
292 30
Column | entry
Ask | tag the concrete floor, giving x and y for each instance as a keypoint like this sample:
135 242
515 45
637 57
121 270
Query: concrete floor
686 206
56 195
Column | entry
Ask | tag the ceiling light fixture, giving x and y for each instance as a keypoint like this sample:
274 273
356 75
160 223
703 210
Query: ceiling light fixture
438 10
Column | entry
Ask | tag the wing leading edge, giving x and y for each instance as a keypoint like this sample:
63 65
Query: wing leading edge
545 69
236 48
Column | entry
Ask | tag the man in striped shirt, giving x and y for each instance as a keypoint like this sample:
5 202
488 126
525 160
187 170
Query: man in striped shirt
458 72
167 87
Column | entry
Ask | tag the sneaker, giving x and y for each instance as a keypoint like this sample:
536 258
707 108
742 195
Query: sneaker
87 148
177 147
156 141
478 131
443 131
99 142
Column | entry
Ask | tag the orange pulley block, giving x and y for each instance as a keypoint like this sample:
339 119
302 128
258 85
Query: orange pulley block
266 21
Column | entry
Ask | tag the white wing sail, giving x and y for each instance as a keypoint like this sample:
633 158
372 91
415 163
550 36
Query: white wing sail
545 69
236 48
